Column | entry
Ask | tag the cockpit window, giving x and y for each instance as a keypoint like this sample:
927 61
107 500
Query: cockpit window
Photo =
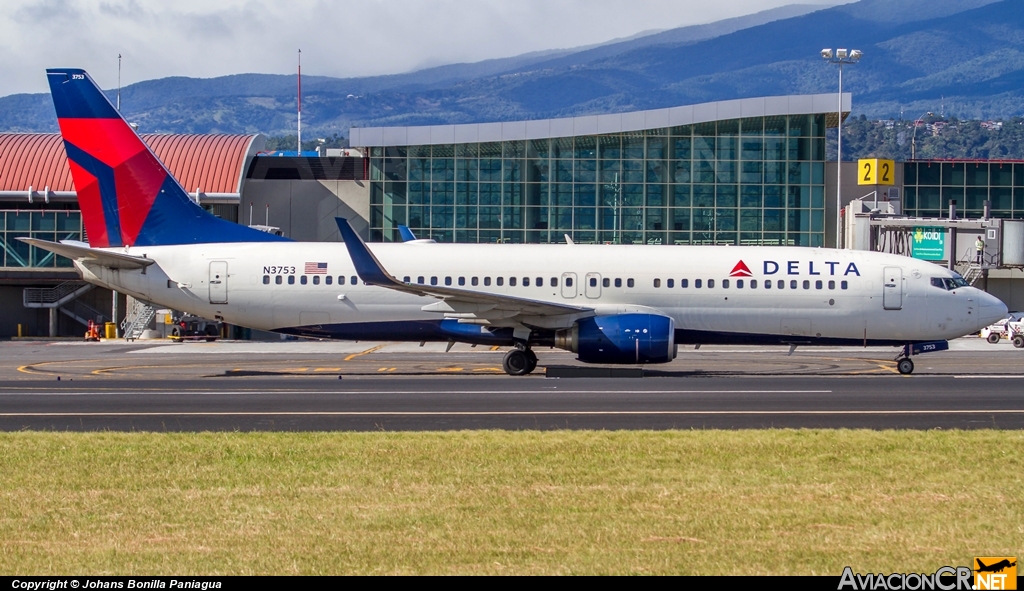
949 283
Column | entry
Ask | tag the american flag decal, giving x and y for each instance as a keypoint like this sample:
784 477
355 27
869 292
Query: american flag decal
316 269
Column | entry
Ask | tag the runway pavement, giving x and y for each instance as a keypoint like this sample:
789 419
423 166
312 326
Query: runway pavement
302 385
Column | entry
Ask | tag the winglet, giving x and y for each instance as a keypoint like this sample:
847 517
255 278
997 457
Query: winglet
367 266
406 233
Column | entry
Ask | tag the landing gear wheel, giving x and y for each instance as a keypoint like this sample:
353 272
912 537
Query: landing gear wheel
905 366
532 357
516 363
993 338
1018 341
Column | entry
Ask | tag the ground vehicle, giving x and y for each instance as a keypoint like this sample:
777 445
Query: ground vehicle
194 328
1010 327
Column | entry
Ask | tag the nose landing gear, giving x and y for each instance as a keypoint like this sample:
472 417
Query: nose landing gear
905 365
519 361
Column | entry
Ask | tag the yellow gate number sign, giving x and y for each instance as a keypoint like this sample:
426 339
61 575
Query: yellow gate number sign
875 171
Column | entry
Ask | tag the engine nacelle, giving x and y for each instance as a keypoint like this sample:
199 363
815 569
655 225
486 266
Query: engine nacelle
622 338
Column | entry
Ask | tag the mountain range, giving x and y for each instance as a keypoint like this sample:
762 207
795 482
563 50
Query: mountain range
963 58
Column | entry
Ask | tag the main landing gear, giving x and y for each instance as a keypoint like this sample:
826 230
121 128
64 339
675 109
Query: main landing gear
519 361
905 366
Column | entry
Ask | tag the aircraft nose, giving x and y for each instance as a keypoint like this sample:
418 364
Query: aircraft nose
991 308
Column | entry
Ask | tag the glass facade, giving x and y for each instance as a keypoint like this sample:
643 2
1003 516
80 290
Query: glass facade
928 187
46 225
756 180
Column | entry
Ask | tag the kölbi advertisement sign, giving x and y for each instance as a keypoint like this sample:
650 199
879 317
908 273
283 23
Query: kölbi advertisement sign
928 244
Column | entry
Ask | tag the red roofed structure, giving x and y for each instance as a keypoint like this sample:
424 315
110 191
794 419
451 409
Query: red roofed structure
214 165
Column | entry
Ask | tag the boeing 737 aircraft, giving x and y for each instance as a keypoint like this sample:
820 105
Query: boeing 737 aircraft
606 303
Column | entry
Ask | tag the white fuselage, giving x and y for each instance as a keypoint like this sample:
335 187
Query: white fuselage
825 295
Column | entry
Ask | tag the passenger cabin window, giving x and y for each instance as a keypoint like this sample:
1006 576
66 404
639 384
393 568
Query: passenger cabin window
739 284
792 284
540 282
807 283
843 285
353 280
433 280
406 279
781 284
291 280
499 281
725 284
684 283
316 280
711 283
670 283
526 282
447 280
474 281
618 283
330 279
277 280
831 284
593 282
629 283
511 281
487 281
554 282
657 283
266 280
696 283
303 280
568 281
753 284
818 284
341 280
767 283
462 280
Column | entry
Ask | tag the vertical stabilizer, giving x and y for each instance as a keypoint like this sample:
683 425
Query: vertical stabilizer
127 196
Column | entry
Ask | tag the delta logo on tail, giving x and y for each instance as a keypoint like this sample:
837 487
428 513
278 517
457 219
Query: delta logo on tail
741 270
127 196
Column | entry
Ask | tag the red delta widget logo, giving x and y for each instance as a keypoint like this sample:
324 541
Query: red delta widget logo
827 268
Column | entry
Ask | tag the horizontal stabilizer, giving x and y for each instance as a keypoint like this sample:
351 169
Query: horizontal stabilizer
86 255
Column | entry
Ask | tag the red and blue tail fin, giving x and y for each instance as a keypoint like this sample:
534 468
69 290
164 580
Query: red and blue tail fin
127 196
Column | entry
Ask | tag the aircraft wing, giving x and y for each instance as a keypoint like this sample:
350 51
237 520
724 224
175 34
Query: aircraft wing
454 302
86 255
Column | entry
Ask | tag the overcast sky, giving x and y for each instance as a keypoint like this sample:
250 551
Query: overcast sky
204 38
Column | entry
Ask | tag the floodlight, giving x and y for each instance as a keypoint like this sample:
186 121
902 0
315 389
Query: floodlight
826 53
855 54
841 53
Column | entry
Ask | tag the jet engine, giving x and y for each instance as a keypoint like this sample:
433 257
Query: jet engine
621 338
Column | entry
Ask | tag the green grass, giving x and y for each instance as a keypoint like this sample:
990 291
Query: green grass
697 502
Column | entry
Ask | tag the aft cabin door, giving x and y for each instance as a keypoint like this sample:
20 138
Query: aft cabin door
892 289
219 282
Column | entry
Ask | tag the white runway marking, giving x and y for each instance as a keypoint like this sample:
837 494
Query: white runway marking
508 413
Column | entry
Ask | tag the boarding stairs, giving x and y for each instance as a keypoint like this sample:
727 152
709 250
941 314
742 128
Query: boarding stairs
81 312
137 320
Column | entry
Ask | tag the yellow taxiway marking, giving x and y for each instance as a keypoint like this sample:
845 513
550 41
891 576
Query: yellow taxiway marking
489 369
387 369
450 369
327 369
293 369
495 348
366 352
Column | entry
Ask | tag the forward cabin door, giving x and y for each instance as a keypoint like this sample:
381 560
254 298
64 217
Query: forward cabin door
892 288
218 282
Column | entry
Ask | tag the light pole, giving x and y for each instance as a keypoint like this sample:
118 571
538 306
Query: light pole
840 57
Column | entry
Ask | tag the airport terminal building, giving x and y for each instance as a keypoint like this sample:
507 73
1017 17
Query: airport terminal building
748 171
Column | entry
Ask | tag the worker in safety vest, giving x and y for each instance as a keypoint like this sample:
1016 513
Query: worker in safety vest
979 245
